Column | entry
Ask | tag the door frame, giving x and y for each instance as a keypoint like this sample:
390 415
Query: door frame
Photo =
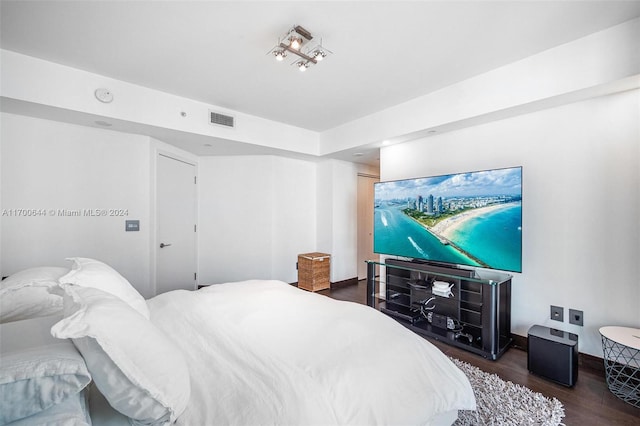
153 226
371 178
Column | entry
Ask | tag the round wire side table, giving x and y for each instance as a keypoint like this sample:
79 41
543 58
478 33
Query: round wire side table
621 347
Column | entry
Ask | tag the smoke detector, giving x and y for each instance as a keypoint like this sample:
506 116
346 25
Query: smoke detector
104 95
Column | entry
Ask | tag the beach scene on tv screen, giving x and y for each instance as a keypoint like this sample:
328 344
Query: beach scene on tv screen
472 219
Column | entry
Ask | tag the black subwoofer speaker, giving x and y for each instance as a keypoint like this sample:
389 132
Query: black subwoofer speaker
553 354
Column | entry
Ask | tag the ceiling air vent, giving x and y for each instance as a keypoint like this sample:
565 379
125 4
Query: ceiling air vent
221 119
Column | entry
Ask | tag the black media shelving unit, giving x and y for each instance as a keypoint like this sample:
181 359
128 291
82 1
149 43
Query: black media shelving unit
475 316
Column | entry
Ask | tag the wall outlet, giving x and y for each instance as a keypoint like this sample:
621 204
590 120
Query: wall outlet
131 225
557 313
576 317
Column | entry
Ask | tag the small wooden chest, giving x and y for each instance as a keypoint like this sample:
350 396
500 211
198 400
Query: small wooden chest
314 271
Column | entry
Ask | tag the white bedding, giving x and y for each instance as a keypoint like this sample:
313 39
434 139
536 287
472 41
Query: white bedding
264 352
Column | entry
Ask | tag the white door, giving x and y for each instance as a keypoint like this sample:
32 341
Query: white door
365 223
176 220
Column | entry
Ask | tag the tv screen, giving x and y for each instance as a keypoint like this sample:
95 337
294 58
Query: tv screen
472 219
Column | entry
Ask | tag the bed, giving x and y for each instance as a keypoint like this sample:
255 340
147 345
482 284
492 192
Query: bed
243 353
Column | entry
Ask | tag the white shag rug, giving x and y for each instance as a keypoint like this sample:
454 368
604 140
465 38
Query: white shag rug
505 403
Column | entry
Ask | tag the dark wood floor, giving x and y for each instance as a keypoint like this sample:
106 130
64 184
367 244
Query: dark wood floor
589 402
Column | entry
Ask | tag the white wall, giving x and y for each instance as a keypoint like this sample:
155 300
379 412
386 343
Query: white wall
54 166
337 192
581 204
257 213
294 215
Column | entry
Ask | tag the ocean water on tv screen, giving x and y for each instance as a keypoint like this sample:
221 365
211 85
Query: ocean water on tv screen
495 238
397 234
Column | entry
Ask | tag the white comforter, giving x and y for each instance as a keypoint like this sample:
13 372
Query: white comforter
264 352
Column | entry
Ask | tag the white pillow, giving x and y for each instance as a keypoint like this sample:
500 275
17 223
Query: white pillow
93 273
73 411
24 294
37 372
140 372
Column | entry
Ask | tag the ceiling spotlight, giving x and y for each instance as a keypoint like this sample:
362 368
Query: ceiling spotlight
295 43
280 55
319 55
299 42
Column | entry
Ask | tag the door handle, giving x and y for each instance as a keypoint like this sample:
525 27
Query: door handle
163 245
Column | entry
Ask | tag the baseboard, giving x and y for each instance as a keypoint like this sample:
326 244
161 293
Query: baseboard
344 283
519 342
585 361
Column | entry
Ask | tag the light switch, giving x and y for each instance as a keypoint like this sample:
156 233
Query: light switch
131 225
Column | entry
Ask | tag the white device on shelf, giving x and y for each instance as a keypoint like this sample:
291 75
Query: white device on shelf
442 288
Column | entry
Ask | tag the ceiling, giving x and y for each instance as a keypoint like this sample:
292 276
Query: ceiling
384 52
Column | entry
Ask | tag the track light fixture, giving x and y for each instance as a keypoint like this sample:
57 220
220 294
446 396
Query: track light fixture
298 41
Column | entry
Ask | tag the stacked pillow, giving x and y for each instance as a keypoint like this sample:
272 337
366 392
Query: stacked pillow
39 373
140 372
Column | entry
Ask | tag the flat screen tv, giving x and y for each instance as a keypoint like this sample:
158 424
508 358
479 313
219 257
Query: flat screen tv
471 219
